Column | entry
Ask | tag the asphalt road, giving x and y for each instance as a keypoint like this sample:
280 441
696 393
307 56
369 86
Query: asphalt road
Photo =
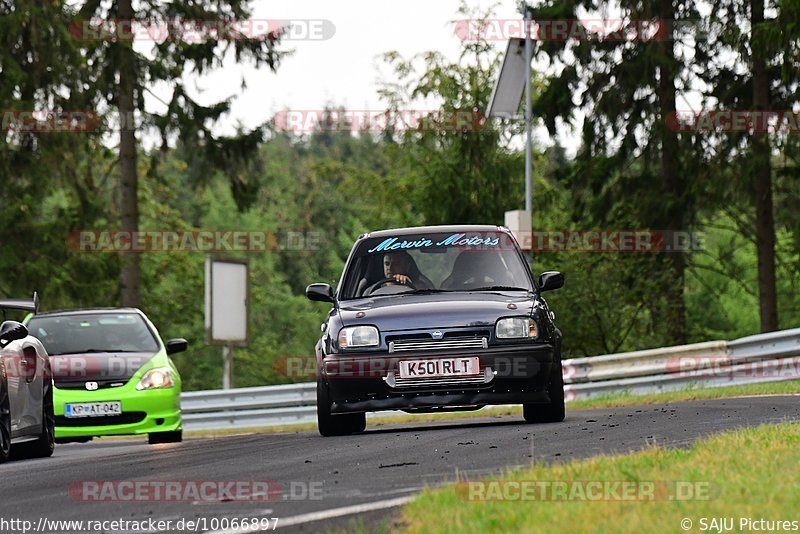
322 478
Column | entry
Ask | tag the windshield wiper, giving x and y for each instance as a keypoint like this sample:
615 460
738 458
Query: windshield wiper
500 288
423 291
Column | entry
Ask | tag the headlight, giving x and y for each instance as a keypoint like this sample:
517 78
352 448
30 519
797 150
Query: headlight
516 328
158 378
358 336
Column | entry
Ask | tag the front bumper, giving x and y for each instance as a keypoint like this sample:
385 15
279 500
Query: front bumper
510 374
157 410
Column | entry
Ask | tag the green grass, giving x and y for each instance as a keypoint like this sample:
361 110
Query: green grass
748 473
605 401
626 399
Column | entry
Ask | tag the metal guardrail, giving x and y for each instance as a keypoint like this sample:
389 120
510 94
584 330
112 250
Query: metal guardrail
639 363
770 357
781 343
754 359
249 407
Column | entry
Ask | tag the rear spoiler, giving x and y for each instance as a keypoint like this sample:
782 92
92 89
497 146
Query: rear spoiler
29 305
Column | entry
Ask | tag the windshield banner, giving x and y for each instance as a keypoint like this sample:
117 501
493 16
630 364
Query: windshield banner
453 240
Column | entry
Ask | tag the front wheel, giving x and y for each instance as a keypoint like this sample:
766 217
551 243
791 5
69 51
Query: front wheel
175 436
553 412
336 425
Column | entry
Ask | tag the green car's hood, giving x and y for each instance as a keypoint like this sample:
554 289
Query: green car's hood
72 371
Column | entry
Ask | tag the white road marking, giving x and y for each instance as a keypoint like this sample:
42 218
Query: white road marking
325 514
756 396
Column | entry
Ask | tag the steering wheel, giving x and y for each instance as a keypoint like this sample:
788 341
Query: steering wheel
383 281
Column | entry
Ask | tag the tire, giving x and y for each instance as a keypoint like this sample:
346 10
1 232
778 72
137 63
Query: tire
45 445
5 421
554 411
174 436
336 425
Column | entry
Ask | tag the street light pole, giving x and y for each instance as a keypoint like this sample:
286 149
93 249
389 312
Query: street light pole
513 84
528 155
528 133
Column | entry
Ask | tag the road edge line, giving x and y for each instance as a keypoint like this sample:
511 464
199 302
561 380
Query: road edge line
326 514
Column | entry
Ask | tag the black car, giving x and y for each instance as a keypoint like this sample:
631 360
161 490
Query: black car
434 319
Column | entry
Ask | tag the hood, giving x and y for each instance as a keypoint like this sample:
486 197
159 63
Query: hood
437 310
101 367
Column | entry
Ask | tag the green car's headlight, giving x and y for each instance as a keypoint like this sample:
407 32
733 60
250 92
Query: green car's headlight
516 328
158 378
359 336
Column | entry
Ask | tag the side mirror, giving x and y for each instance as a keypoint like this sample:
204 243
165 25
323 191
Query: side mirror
177 345
320 292
551 280
11 331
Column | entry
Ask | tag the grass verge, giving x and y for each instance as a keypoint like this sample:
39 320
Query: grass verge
747 473
624 398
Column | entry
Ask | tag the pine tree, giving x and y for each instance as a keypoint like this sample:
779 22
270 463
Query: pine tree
120 75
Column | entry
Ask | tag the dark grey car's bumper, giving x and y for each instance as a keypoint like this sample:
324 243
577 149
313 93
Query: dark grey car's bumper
511 374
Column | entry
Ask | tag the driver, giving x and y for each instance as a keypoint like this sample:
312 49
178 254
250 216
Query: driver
398 265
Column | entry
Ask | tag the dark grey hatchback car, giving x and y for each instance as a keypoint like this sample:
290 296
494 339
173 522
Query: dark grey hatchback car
434 319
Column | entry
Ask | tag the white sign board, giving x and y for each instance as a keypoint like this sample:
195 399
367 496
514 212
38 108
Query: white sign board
519 222
507 91
226 301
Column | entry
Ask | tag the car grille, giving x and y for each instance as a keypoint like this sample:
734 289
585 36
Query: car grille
484 378
126 418
81 384
438 382
448 343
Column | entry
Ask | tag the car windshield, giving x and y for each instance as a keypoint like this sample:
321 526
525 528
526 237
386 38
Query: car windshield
88 333
435 262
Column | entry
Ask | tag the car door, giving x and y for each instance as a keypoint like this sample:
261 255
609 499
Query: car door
24 365
17 387
32 371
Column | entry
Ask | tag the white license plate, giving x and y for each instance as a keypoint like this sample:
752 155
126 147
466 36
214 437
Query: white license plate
93 409
440 367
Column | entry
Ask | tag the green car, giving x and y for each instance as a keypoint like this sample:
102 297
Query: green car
112 374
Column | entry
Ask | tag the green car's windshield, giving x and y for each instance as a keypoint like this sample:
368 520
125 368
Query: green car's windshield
93 333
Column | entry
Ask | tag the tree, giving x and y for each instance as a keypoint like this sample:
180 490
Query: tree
765 218
632 168
49 177
120 75
756 69
453 175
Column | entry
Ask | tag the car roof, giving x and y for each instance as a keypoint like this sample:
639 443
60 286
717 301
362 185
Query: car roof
437 229
86 311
